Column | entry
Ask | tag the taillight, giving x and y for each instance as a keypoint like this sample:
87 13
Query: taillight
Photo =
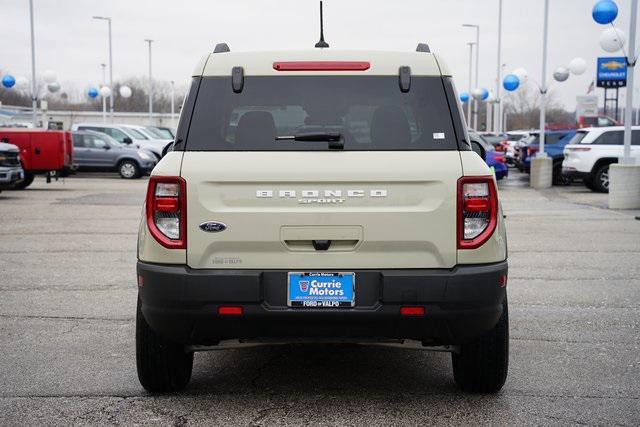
532 151
477 210
167 211
499 159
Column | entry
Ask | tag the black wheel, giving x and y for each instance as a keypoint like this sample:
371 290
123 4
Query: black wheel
28 179
128 169
162 365
601 179
481 366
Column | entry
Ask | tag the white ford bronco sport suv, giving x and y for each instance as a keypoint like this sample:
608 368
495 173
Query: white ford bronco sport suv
322 195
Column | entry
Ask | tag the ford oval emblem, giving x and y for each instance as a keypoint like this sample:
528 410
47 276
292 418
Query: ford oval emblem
212 227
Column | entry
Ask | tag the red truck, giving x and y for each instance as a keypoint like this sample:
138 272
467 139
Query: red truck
48 152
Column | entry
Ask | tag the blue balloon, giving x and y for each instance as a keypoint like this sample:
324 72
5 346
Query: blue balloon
511 82
8 81
93 92
604 12
464 97
485 94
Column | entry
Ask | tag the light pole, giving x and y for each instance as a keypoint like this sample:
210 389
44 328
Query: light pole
108 19
470 82
631 62
173 94
104 100
34 89
149 41
475 110
541 165
497 126
624 176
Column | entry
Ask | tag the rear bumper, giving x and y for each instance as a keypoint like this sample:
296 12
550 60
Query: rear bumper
181 304
574 174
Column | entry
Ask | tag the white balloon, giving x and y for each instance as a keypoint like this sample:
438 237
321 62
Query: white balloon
477 94
105 91
577 66
521 74
125 91
612 39
53 87
49 76
22 82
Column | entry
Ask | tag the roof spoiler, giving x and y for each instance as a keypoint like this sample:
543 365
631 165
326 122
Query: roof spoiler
423 47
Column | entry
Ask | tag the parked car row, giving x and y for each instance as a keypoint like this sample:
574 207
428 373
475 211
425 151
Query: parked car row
130 150
494 159
136 136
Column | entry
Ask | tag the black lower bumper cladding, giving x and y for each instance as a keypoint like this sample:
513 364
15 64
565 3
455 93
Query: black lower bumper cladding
460 304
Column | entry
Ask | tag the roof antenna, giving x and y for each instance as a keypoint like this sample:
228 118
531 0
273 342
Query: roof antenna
321 44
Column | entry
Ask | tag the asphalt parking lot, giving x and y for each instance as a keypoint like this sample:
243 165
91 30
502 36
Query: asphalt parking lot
67 306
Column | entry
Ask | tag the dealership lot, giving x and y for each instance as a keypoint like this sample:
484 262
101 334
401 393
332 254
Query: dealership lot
67 306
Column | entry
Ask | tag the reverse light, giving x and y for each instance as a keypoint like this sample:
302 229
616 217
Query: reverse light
477 211
166 210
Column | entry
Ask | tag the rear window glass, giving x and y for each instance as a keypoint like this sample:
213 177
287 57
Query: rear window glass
370 112
577 138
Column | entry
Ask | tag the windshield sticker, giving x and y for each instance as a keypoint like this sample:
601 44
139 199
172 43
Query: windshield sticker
438 135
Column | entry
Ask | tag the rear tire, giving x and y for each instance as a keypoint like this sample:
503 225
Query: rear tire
481 366
128 169
601 179
27 181
162 365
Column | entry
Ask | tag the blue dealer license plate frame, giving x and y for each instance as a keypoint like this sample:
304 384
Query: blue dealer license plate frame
321 289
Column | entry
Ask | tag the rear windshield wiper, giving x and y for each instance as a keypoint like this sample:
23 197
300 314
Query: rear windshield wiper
333 138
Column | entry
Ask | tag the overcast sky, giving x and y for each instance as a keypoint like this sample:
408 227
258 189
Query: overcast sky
71 43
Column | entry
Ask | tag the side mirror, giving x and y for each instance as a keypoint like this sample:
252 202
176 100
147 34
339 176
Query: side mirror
167 148
127 140
479 149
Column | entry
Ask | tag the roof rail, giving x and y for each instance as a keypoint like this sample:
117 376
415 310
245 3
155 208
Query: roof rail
423 47
221 48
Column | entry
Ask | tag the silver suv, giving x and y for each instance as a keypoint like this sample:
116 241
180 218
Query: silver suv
94 151
322 195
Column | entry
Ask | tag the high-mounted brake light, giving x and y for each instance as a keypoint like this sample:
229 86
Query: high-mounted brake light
321 66
477 210
166 210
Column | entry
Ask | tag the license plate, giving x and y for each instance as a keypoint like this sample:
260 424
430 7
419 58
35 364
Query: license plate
321 290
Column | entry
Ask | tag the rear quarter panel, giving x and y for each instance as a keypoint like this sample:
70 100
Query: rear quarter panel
149 250
495 249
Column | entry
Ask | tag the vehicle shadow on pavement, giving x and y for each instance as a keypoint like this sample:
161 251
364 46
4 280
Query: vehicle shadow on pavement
303 369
